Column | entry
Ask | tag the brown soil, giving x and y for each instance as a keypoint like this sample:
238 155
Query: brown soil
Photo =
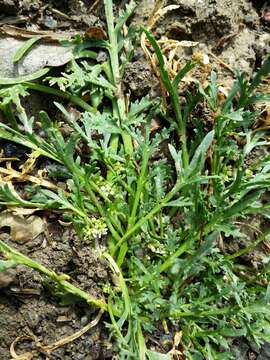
29 306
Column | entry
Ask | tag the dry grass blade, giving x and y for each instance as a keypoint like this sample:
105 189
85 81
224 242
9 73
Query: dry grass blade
76 335
9 174
159 11
168 46
94 5
49 36
29 164
228 67
25 356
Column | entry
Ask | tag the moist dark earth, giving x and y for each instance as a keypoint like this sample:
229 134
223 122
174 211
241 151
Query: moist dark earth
231 32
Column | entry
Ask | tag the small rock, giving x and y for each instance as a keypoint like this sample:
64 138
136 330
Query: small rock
49 22
22 229
7 277
32 319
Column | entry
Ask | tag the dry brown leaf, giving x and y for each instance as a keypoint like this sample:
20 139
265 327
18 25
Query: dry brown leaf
49 348
266 246
22 229
94 32
176 352
29 164
49 36
159 12
9 174
23 211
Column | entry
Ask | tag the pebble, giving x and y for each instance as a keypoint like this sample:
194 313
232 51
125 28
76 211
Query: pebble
49 22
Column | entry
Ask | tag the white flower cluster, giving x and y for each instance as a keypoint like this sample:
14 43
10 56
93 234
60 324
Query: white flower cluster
97 229
107 189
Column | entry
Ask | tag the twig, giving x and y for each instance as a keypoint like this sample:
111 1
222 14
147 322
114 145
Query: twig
76 335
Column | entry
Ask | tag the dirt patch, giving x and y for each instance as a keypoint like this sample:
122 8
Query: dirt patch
28 305
234 31
49 14
139 78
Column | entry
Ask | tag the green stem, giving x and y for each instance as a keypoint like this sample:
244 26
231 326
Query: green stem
62 94
161 225
147 217
140 185
114 322
182 127
132 218
115 71
250 247
99 192
122 284
61 280
170 261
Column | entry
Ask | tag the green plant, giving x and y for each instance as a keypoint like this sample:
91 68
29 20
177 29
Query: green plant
162 216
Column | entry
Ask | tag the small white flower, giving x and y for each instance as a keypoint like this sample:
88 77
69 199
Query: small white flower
205 59
97 229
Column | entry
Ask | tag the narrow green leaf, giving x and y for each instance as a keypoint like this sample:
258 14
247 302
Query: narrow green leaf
163 72
200 153
206 247
141 343
235 115
8 195
213 91
45 120
124 16
85 54
189 66
267 294
5 265
139 106
244 203
228 332
23 50
181 202
258 309
156 47
70 148
177 157
229 100
258 98
154 355
191 265
24 78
